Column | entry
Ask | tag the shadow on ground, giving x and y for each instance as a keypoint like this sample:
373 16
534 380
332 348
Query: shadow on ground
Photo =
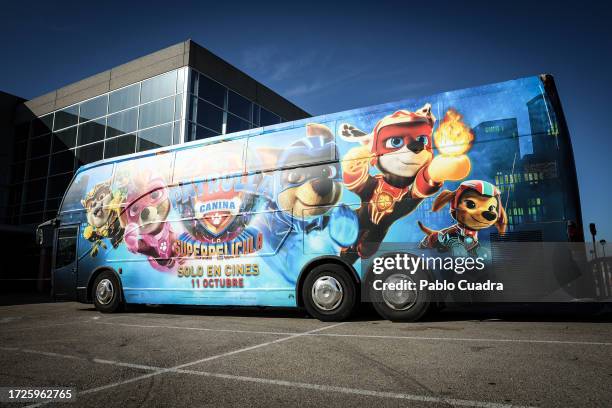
519 312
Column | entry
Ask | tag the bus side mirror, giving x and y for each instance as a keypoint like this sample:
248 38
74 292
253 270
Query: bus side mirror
44 233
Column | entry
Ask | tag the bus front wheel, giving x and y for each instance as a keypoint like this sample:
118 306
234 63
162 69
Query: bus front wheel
107 296
329 293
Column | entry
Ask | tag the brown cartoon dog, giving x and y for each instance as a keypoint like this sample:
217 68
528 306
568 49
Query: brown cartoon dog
102 213
475 205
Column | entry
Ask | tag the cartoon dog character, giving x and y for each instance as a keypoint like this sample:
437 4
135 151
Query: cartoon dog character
146 230
102 211
475 205
307 197
400 147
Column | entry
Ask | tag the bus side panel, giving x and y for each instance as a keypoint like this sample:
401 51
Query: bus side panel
234 222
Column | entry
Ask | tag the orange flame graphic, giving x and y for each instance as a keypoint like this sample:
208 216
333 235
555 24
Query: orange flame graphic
453 137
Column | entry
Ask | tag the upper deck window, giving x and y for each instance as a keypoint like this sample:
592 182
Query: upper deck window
84 183
302 146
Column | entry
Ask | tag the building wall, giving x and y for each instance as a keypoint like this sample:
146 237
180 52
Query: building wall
178 94
8 105
49 148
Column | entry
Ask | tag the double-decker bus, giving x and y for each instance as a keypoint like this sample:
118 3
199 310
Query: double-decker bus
289 215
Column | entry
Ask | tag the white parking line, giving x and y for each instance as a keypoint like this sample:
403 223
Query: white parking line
42 326
165 370
268 381
371 336
354 391
152 326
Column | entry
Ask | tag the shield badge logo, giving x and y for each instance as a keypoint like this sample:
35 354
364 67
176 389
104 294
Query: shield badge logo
216 215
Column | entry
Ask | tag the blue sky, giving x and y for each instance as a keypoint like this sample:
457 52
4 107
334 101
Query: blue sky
332 57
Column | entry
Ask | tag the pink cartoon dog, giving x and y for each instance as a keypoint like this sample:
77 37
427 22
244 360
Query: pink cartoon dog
146 229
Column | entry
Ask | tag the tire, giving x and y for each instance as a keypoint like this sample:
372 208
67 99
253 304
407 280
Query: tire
107 293
329 293
399 306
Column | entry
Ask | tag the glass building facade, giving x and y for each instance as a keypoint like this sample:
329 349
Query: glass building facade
214 109
175 107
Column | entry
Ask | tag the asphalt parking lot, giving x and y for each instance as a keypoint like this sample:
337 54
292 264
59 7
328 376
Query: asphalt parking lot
250 357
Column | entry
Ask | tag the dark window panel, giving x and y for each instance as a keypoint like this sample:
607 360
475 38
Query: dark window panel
33 207
191 132
62 162
38 167
20 149
156 137
47 121
89 154
91 132
57 185
50 214
122 122
210 116
193 83
15 194
119 146
93 108
17 172
64 139
235 124
156 113
35 190
239 106
268 118
32 218
41 126
203 133
158 87
66 117
193 108
14 214
54 203
40 146
211 91
256 115
123 98
22 131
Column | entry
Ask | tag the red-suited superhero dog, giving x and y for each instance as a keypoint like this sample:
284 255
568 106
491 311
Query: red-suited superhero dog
400 147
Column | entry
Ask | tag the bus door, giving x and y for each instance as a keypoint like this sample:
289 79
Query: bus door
65 262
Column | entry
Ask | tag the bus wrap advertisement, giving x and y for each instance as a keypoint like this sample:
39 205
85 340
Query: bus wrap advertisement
238 220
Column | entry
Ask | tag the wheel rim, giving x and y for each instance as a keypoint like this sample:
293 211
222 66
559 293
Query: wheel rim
105 291
399 299
327 293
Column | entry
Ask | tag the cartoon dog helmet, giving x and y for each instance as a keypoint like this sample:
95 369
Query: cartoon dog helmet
402 117
318 145
319 141
481 187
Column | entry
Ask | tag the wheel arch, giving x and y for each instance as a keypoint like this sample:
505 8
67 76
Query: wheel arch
95 273
321 260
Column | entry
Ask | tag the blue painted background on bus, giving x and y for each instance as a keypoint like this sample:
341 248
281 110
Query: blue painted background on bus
444 173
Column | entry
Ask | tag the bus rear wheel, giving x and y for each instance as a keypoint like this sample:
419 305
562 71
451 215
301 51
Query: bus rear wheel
399 305
107 296
329 293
